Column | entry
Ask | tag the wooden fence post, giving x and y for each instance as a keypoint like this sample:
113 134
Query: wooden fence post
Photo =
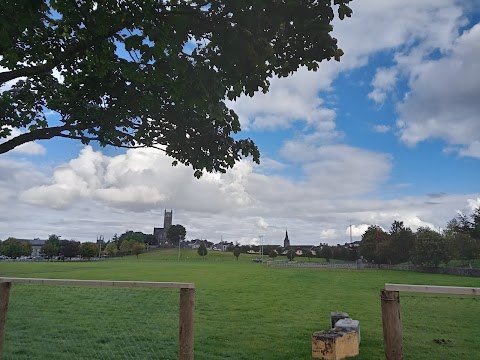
186 322
392 325
4 296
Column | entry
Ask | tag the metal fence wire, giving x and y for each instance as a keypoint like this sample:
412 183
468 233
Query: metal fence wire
83 322
437 326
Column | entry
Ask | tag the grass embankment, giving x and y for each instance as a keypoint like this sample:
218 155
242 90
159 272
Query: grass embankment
244 310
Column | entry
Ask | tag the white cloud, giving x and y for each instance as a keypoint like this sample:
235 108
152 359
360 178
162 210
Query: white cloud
99 194
473 204
338 170
443 101
472 150
261 223
328 234
357 230
413 29
383 82
381 129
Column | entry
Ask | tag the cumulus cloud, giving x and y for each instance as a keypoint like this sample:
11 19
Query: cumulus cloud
97 194
443 101
130 191
138 180
357 230
383 82
473 204
261 223
411 30
472 150
338 170
381 129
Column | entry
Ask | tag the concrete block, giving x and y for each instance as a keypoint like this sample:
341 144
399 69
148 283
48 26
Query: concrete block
334 344
349 324
337 315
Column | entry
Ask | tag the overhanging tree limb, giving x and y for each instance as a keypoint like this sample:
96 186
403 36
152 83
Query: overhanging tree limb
189 57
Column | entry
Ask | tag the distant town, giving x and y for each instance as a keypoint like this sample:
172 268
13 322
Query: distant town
426 247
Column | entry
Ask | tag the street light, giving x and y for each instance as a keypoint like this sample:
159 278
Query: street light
261 246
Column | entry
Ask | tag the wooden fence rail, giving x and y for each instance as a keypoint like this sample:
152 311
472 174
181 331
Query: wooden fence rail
186 310
391 314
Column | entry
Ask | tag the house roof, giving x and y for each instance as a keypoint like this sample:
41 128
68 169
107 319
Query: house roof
34 242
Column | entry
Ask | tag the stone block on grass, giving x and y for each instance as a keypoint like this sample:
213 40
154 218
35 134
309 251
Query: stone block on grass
349 324
337 315
334 344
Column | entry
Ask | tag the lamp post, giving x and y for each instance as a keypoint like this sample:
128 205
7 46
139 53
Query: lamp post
100 241
179 241
261 246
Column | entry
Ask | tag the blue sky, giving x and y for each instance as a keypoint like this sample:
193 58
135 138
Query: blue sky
389 133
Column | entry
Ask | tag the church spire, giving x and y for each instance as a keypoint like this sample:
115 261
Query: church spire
286 241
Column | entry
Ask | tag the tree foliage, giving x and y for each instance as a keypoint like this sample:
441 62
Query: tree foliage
49 250
308 254
137 236
202 250
325 252
126 246
431 248
463 232
401 242
88 250
137 248
372 246
464 247
69 248
291 254
176 233
14 248
155 75
111 249
426 247
273 254
236 251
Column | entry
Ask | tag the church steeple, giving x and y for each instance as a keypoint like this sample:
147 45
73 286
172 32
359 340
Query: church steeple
286 241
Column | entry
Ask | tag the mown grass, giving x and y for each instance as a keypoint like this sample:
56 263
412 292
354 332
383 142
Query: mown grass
244 310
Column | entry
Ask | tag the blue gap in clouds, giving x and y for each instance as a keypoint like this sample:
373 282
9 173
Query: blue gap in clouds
426 167
270 142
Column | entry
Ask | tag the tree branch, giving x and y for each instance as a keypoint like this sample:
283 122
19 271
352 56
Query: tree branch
49 133
39 134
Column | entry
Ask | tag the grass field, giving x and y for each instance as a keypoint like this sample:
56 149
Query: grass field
244 310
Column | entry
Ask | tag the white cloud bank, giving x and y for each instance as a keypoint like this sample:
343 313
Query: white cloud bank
444 98
96 194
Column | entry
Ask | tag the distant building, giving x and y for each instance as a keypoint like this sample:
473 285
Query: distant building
300 249
222 246
36 245
161 233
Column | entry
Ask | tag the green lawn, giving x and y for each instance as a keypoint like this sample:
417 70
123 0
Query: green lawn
244 310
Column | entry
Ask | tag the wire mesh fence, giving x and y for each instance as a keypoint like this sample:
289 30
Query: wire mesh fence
46 321
438 326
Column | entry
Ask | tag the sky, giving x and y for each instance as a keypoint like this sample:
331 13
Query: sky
391 132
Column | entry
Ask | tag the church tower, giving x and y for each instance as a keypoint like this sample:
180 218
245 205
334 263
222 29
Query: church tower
286 241
167 220
161 233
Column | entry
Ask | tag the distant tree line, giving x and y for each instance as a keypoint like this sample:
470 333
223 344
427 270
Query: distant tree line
14 248
426 247
460 240
128 243
55 247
